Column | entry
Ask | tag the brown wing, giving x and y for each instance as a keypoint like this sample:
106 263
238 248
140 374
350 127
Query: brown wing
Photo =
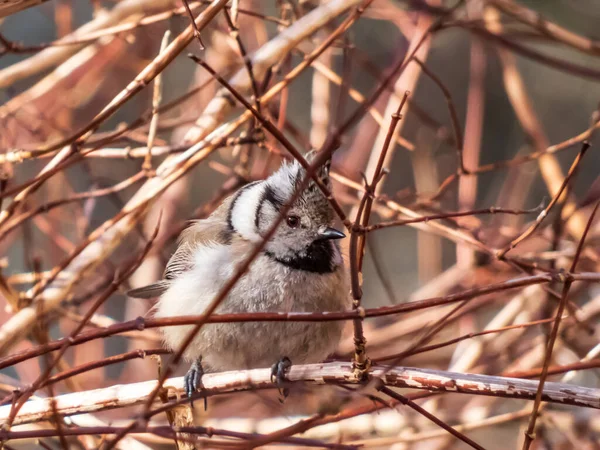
181 261
212 229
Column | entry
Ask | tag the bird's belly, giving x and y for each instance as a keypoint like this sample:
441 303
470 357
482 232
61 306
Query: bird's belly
232 346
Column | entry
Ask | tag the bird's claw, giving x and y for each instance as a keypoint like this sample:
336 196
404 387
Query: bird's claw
278 375
192 382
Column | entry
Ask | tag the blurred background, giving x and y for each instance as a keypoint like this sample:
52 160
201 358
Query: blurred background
516 89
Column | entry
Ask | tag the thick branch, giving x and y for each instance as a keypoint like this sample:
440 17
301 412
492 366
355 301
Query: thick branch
339 372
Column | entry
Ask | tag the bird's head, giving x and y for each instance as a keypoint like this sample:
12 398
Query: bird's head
305 237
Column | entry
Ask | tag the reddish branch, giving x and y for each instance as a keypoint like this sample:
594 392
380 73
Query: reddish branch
141 323
530 433
86 146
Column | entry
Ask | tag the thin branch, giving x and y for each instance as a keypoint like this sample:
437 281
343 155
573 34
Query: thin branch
357 244
458 135
142 79
547 28
530 433
534 226
142 323
194 25
235 32
405 401
450 215
156 99
22 397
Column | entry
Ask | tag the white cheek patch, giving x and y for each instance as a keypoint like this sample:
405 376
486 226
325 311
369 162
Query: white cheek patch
243 215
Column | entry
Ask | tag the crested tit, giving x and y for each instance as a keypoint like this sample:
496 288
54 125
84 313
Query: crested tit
300 269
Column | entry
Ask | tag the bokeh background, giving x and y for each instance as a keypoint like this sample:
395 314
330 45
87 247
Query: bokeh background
46 104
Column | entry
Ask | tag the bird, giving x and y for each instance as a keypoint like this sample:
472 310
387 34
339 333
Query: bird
301 268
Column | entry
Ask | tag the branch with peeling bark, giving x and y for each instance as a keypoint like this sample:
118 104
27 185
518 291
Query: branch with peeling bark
474 306
317 374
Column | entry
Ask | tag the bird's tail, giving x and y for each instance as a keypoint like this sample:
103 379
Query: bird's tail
150 291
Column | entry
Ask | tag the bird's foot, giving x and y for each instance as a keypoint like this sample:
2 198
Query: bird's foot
192 382
278 375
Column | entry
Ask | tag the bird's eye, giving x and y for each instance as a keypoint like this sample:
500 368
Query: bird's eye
293 221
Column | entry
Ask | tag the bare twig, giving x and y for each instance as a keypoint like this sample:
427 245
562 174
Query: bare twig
156 99
531 229
402 399
530 433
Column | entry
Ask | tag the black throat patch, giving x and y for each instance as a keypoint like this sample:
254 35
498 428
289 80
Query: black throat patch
317 259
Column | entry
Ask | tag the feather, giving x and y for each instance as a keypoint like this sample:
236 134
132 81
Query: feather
181 261
212 229
150 291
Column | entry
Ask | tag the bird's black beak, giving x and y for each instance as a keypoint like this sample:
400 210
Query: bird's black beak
330 233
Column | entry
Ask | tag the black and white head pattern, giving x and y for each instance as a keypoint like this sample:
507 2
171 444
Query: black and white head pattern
297 242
